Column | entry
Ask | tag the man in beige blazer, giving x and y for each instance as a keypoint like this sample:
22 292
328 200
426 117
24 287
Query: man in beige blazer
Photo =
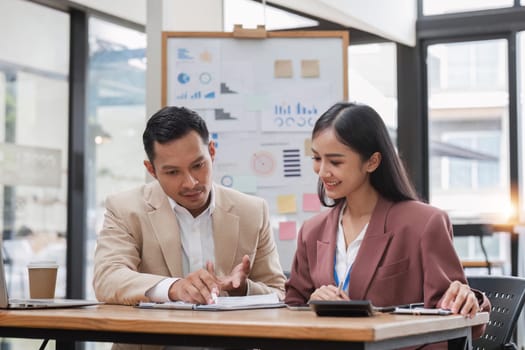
182 237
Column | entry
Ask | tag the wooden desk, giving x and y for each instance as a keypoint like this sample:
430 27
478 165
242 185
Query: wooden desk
268 328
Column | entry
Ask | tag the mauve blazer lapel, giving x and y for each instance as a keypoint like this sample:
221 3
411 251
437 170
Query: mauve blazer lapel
372 248
225 232
326 247
165 227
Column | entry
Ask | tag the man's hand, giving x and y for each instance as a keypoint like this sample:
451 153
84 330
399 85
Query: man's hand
328 293
195 288
460 300
235 284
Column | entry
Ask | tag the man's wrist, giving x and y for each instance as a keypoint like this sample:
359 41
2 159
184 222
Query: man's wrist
172 291
161 291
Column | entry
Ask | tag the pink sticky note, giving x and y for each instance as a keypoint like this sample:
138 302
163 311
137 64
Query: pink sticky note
311 202
287 230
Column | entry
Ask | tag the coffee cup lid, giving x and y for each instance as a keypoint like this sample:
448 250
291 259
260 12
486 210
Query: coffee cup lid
42 264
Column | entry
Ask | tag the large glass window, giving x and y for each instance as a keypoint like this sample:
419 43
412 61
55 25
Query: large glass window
116 120
468 139
372 79
468 130
437 7
34 69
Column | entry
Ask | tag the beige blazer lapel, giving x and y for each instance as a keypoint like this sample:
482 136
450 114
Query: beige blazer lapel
226 233
371 251
166 228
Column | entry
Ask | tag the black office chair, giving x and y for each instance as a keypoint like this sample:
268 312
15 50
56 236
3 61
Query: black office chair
507 296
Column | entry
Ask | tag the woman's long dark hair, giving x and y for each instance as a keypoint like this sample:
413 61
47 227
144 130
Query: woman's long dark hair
360 127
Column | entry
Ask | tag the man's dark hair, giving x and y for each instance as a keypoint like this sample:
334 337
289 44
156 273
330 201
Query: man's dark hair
172 123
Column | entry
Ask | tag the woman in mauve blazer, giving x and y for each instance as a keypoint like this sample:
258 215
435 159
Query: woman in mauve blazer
377 242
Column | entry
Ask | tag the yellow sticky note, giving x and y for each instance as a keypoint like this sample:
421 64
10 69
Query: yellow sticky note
286 204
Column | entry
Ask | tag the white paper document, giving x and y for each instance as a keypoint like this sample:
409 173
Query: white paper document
262 301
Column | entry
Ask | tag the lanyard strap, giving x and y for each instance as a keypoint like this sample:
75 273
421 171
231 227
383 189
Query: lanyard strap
346 283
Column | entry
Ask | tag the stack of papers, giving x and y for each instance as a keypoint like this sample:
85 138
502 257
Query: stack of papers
262 301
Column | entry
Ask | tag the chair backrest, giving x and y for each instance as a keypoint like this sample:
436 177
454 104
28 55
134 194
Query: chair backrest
507 295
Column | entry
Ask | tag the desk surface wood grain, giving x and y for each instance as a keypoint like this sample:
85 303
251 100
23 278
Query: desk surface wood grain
264 323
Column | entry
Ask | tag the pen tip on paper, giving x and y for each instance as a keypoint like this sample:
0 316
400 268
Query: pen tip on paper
214 297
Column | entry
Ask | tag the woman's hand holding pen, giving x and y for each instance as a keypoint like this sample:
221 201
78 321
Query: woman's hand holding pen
329 292
460 299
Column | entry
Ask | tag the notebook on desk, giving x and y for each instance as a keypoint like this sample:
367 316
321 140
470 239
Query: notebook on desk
262 301
6 303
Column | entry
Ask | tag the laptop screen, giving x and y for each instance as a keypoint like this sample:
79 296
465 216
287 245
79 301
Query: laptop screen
4 298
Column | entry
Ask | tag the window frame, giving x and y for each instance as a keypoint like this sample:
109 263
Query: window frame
469 26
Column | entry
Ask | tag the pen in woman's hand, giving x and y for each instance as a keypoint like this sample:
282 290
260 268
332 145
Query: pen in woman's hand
340 289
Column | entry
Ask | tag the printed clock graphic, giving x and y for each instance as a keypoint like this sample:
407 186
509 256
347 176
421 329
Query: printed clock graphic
263 163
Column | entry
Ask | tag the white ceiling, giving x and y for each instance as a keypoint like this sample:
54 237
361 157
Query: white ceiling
394 20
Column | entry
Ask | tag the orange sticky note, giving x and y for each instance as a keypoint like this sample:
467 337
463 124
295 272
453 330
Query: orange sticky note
287 230
311 202
283 69
310 68
308 147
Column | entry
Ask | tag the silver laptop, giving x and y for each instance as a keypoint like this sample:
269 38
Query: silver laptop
6 303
